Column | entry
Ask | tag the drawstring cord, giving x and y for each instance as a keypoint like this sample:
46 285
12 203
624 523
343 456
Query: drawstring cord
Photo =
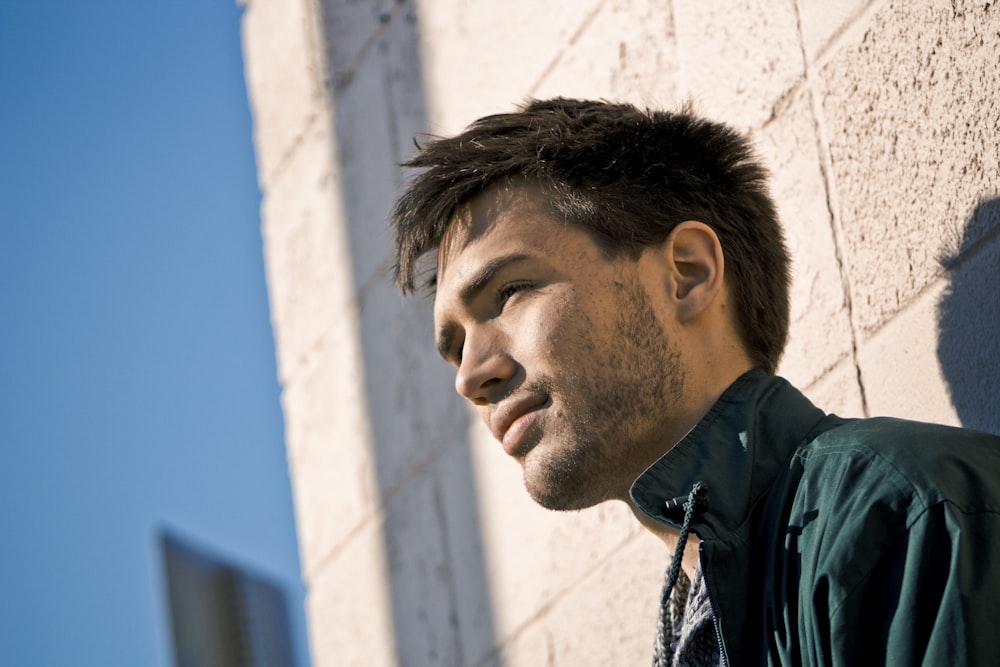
697 499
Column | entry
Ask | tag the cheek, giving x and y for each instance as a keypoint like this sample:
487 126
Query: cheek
552 331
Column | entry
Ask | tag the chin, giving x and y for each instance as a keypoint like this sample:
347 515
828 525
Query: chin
559 487
556 501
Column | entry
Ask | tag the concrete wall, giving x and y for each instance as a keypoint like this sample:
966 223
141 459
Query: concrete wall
881 123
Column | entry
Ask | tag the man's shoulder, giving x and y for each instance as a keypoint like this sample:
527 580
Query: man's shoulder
858 489
895 437
933 462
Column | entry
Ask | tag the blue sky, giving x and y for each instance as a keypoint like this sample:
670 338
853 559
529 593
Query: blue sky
139 386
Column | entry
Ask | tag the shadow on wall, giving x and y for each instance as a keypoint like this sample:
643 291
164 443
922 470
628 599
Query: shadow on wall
969 321
441 610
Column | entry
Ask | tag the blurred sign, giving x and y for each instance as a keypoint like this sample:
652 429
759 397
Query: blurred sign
221 615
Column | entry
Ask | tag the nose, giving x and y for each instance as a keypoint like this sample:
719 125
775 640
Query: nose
485 370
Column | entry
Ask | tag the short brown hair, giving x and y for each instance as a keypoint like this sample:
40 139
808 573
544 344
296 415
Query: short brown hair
627 176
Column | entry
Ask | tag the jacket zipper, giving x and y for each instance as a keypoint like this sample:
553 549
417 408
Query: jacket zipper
715 613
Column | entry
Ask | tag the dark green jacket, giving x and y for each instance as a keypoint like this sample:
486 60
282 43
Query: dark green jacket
828 541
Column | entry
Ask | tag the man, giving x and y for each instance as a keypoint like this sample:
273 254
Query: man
612 288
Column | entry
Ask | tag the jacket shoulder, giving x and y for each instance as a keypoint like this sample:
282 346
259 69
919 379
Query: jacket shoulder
930 462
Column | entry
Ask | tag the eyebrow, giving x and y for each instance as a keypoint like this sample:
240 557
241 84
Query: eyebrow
486 273
468 292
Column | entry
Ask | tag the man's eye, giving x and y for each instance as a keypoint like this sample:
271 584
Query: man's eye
509 290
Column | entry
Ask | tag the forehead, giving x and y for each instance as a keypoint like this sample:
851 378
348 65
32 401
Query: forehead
501 219
499 205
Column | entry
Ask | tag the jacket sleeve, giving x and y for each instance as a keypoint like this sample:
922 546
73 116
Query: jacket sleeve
931 598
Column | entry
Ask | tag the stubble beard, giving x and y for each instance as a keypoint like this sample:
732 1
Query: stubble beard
609 413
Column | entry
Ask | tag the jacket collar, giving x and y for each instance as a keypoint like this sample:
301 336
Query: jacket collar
737 449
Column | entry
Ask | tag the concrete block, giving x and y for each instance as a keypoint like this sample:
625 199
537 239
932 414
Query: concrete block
736 64
913 122
899 365
609 618
626 51
485 57
350 609
329 442
821 329
823 20
284 75
838 391
306 252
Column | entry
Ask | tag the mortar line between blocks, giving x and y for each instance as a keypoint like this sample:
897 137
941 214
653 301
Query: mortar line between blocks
572 40
850 29
813 84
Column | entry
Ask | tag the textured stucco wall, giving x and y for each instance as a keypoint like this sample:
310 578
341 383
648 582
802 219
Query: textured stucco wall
881 124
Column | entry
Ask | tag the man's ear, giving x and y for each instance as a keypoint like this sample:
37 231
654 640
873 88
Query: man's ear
695 262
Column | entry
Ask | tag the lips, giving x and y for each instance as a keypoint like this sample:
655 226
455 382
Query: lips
511 421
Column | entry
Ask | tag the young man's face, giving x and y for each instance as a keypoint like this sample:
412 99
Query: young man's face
560 349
